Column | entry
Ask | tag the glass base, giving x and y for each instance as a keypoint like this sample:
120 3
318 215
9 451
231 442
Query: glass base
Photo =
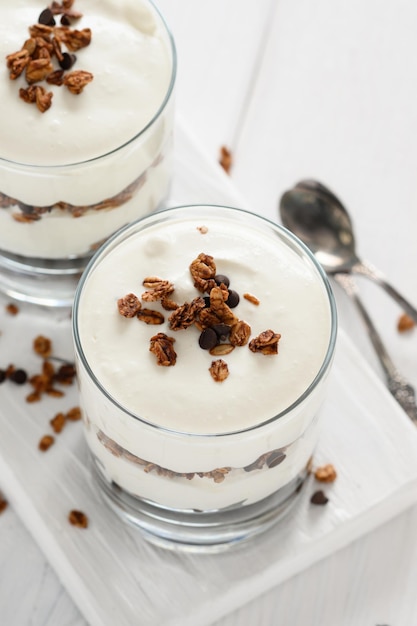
49 283
199 531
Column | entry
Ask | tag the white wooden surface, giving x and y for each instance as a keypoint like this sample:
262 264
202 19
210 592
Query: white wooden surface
297 89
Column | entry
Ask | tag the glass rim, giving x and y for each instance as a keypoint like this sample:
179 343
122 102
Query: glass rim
142 131
283 232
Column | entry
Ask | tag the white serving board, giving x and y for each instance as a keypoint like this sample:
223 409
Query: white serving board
111 572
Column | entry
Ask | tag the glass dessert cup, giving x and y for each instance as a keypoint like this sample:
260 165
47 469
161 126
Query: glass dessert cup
218 481
54 216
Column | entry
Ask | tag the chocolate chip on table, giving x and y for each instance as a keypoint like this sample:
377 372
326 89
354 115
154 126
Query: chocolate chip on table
233 299
65 20
46 18
222 279
208 339
19 376
3 503
319 497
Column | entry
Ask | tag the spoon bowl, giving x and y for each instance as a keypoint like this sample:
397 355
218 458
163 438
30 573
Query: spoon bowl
313 213
316 216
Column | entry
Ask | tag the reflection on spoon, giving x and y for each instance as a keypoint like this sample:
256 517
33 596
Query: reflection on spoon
318 218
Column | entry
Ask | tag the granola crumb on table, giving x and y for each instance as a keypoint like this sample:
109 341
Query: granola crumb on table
78 519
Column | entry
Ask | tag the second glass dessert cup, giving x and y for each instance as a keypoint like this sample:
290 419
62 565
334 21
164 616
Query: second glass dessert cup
54 212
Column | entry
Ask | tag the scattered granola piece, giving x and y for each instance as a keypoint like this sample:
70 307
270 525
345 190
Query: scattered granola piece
203 271
43 100
74 39
221 349
251 298
150 316
65 374
43 383
219 370
42 346
38 69
78 519
17 62
319 497
162 347
221 308
186 314
77 80
46 442
168 304
203 229
157 289
240 333
74 414
12 309
325 474
225 159
3 504
58 422
266 342
129 305
56 78
405 323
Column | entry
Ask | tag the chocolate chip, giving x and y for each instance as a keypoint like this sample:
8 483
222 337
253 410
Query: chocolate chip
65 20
208 339
19 377
222 331
46 18
207 301
2 376
221 278
275 458
67 61
233 299
319 497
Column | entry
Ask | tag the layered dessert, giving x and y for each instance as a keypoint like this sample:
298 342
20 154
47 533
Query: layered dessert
86 125
203 337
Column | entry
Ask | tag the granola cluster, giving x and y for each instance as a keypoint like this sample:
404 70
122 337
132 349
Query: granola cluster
221 331
48 54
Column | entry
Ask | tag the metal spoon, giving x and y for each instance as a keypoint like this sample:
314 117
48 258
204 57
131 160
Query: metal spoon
328 233
322 222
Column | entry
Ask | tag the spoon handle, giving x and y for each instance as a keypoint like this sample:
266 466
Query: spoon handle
402 391
366 269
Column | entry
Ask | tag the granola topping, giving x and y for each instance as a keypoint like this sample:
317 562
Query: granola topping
44 46
221 331
162 348
219 370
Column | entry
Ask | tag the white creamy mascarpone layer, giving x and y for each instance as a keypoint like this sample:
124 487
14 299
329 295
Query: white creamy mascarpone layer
184 397
131 61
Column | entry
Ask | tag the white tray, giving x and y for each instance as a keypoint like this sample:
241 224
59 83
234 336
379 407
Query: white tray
113 575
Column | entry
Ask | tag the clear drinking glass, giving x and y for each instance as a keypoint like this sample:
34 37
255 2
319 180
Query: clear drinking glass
191 460
54 215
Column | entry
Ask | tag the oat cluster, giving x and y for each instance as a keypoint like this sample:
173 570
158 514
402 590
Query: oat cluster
48 55
221 331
